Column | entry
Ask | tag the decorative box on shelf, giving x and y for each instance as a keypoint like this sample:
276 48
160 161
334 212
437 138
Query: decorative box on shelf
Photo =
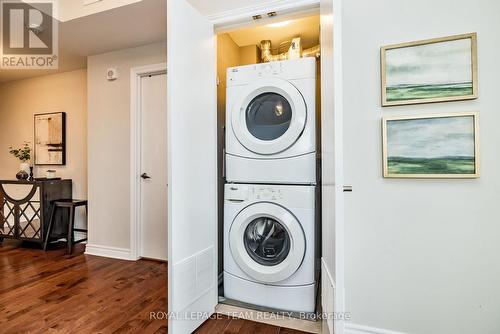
25 208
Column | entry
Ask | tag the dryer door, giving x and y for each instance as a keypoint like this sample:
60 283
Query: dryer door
267 242
269 116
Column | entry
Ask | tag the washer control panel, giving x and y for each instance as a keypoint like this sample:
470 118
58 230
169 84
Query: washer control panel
267 193
241 193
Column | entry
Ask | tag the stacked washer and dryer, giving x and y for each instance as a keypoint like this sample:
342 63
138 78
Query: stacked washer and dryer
270 196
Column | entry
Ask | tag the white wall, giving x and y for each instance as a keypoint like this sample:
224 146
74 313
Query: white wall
109 143
422 256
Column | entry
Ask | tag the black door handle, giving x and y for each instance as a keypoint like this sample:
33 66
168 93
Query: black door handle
145 176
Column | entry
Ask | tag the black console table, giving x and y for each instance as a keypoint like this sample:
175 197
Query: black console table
25 208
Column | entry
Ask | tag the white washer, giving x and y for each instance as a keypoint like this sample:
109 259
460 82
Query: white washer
269 246
271 123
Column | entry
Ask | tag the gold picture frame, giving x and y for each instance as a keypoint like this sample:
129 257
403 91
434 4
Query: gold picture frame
411 72
452 150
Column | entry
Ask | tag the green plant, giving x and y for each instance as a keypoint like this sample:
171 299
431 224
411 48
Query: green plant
22 153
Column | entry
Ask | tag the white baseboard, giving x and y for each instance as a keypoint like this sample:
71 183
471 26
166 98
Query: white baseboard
358 329
111 252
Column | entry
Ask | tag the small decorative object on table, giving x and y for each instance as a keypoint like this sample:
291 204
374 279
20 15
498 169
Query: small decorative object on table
51 174
24 155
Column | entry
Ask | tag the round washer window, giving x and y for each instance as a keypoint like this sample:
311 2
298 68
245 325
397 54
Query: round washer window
268 116
267 241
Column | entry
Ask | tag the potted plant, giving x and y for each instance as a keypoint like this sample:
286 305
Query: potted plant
24 155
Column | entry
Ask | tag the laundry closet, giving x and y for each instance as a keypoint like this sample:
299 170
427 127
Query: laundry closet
269 165
255 163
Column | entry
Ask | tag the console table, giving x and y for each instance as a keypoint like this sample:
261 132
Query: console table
25 208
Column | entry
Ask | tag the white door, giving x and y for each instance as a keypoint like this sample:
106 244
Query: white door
154 183
192 122
332 262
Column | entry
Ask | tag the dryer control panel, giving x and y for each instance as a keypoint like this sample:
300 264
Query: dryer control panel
293 69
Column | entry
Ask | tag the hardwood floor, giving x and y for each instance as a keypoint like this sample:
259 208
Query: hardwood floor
49 292
227 325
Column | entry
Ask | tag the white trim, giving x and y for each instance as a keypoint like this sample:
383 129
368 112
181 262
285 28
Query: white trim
243 14
327 296
358 329
110 252
339 301
136 74
325 268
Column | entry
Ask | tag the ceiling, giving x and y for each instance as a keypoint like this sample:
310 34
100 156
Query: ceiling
211 7
307 28
103 32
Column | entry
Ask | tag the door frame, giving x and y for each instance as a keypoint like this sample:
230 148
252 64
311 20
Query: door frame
239 18
136 74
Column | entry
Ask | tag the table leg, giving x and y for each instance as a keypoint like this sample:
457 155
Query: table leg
49 229
70 229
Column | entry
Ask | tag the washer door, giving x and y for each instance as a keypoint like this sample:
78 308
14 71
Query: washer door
269 116
267 242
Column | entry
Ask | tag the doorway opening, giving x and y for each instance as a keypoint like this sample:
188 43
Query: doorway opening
269 140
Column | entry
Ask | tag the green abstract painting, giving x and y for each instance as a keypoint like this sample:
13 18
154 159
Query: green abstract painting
429 72
432 146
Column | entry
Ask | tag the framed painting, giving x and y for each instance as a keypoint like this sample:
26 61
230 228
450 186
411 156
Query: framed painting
434 70
50 139
433 146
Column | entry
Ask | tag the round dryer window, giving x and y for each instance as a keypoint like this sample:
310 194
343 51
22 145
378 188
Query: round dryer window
269 116
267 242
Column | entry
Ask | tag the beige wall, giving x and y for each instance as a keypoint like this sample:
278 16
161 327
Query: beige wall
109 143
228 55
249 54
20 100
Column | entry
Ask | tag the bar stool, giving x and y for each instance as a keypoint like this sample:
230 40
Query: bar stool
70 204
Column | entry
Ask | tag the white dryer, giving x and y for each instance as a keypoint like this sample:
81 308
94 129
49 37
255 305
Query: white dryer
271 123
269 246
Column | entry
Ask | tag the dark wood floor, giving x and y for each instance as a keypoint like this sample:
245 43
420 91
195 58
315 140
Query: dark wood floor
226 325
49 292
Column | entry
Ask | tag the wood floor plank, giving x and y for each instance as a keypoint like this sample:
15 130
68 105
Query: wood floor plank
50 292
215 326
289 331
